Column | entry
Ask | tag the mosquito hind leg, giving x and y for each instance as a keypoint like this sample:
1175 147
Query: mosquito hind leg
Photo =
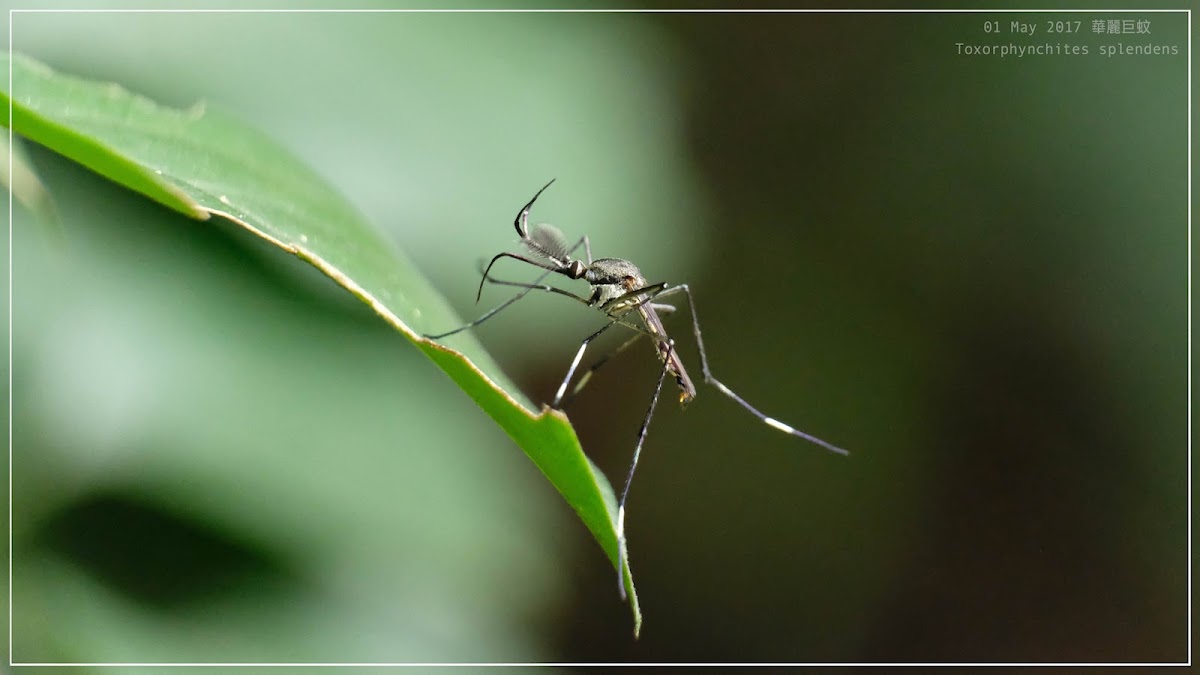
708 377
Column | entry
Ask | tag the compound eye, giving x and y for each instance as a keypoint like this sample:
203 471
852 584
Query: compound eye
576 269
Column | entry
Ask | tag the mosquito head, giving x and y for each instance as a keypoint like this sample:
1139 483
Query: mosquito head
576 269
547 245
545 241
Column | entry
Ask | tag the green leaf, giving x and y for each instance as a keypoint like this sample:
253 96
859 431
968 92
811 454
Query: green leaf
200 162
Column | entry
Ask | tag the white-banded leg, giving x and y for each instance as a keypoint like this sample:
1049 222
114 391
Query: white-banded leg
708 377
622 549
562 388
587 376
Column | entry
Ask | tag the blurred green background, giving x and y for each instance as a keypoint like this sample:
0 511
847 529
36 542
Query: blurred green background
970 271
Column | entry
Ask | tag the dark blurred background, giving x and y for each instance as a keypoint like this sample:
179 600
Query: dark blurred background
971 271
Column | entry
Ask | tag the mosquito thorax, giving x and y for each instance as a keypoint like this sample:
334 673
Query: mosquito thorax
615 271
611 278
576 269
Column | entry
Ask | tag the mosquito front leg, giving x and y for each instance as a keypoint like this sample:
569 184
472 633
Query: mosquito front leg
562 388
537 287
587 376
561 398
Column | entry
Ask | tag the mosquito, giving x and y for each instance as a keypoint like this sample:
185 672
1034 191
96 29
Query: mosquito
622 293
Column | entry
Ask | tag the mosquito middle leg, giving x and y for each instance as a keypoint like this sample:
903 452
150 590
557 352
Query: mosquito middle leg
622 546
